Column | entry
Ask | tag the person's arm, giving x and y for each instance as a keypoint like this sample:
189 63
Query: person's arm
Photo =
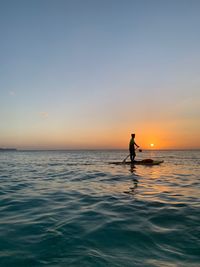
136 144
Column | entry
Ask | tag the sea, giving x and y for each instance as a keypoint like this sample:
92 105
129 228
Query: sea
74 208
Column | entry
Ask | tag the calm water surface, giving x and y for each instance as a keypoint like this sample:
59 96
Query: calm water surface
72 208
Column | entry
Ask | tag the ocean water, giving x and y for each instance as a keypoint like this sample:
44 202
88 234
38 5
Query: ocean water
73 208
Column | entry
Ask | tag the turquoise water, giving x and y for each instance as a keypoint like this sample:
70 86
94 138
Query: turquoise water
72 208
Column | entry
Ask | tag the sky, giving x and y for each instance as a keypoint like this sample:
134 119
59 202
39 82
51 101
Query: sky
85 74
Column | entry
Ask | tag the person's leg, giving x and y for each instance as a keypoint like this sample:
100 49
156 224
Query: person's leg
133 156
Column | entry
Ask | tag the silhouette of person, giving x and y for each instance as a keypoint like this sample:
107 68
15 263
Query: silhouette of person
132 146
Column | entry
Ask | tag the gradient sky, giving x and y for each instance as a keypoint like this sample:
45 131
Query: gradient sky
87 73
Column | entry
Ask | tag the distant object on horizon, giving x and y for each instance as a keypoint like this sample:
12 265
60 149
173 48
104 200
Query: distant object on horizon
7 149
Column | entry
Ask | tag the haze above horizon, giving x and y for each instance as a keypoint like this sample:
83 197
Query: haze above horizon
87 74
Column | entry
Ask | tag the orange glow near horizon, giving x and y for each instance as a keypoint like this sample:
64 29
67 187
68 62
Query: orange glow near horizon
97 139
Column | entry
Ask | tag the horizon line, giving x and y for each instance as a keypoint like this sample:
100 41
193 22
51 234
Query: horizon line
95 149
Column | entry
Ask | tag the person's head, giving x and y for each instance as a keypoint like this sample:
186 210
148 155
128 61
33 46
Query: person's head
133 135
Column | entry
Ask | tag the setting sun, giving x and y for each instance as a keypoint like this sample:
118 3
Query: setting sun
151 145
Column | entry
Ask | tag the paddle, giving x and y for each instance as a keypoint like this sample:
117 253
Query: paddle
125 159
140 150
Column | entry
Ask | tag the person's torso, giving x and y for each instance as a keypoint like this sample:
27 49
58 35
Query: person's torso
132 142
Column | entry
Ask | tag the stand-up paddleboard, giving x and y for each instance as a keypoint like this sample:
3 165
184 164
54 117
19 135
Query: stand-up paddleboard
148 162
